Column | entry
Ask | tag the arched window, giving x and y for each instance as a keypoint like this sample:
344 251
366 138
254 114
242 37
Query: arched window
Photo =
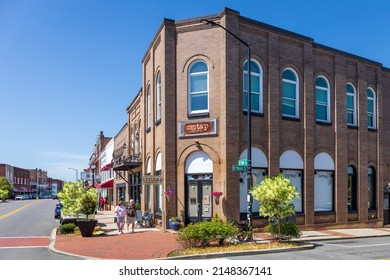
351 105
371 108
323 183
198 88
371 188
352 189
148 187
322 100
148 108
158 97
159 188
259 171
291 165
256 87
290 94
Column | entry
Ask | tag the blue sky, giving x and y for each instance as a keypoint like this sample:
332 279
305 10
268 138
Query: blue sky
70 68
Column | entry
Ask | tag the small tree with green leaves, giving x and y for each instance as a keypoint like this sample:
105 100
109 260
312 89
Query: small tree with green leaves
88 202
70 198
75 199
275 195
3 195
5 186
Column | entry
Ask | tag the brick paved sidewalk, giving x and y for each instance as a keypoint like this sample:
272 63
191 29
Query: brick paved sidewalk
135 246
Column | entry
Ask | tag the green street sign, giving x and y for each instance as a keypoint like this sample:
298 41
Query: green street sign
243 162
240 168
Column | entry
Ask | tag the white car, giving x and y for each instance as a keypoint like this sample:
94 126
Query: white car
19 197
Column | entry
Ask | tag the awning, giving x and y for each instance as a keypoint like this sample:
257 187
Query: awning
125 166
18 189
107 184
106 167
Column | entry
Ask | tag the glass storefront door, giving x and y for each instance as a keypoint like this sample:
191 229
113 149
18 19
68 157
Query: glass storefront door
199 200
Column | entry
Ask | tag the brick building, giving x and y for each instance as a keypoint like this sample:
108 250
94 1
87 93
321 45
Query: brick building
317 117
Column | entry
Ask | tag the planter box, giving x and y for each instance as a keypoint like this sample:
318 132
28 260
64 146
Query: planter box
86 227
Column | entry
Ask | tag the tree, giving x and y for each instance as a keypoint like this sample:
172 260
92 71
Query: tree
275 195
75 199
5 186
3 194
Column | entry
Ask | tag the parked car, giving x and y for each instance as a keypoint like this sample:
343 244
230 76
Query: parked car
19 197
57 211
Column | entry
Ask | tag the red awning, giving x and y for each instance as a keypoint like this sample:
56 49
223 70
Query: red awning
18 189
107 184
106 167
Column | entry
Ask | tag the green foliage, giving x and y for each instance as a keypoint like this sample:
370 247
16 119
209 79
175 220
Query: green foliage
3 194
76 199
5 186
216 219
275 195
287 231
67 228
88 202
200 234
138 206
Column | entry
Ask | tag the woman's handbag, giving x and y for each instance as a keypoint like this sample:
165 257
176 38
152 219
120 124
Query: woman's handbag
115 219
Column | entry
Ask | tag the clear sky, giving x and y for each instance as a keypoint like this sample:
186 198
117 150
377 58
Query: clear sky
70 68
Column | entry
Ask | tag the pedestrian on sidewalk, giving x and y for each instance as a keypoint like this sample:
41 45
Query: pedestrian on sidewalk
131 215
120 212
101 204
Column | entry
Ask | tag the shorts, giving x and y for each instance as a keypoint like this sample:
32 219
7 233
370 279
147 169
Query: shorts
130 220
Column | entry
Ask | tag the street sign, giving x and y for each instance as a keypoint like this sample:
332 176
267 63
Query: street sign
152 180
240 168
243 162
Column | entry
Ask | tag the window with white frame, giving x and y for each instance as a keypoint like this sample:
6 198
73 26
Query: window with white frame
158 188
290 95
259 171
198 88
148 108
291 165
158 97
322 100
256 87
351 105
371 108
148 187
323 183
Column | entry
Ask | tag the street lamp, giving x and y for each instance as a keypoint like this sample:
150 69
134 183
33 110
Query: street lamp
249 124
93 175
77 173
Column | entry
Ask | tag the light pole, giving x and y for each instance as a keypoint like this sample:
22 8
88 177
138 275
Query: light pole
93 175
249 124
77 173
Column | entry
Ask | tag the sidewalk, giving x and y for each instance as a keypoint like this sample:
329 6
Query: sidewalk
152 243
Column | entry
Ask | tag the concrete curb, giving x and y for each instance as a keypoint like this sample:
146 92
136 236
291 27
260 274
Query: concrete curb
54 250
305 246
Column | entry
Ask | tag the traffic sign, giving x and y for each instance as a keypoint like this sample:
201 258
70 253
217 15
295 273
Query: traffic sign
243 162
240 168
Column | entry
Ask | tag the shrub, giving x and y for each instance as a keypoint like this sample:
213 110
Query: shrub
67 228
200 234
287 230
216 218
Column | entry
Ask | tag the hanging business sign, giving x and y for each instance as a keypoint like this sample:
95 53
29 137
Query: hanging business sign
152 180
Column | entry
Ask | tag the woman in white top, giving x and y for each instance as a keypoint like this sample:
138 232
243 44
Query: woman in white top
120 212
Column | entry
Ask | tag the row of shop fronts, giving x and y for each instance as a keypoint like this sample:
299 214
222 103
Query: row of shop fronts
31 183
317 117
